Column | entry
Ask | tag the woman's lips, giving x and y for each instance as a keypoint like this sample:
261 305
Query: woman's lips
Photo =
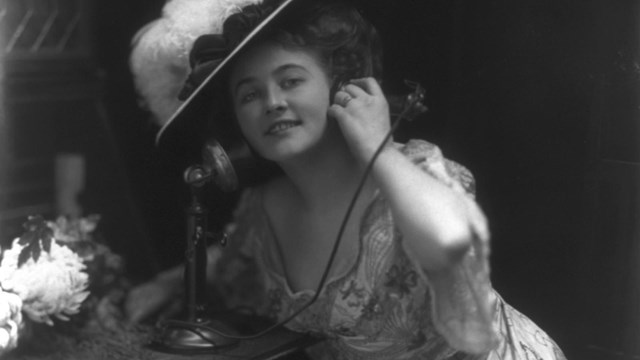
281 126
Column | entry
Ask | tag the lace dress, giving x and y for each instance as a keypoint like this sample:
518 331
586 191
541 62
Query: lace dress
383 306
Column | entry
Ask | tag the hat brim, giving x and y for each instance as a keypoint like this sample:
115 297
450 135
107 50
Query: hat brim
187 108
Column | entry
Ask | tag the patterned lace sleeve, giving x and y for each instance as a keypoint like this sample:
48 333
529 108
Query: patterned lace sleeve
463 304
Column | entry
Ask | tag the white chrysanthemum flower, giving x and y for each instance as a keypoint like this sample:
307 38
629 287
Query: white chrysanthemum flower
55 285
10 320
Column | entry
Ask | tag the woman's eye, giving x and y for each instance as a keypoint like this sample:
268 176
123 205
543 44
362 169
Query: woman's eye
247 97
291 82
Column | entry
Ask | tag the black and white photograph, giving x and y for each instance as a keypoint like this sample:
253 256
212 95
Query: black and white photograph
320 179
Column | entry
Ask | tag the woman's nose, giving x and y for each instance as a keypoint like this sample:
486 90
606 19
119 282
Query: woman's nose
276 102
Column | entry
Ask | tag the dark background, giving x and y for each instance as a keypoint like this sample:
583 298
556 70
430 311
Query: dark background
538 98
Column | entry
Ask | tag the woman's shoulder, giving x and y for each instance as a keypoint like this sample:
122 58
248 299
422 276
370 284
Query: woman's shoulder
430 158
418 147
422 151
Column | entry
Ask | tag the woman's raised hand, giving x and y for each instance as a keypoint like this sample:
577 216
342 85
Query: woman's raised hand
148 298
362 112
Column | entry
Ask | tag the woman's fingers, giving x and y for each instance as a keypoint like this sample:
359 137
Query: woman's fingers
362 89
355 91
342 98
337 111
368 85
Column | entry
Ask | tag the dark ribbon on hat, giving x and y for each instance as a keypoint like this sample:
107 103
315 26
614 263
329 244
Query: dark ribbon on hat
210 50
206 54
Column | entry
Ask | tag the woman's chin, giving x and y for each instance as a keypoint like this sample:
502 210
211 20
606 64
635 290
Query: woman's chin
289 151
282 153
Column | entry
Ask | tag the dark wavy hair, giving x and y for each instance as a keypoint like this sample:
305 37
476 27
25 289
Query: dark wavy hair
349 46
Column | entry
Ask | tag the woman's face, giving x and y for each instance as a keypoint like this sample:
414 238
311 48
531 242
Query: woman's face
280 97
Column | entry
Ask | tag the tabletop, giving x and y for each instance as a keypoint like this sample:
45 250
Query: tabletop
42 342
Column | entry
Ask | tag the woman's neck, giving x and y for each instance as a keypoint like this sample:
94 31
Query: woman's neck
324 176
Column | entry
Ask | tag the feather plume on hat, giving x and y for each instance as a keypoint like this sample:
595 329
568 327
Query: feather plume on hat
159 59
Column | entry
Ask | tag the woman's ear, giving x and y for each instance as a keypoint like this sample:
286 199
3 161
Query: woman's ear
338 83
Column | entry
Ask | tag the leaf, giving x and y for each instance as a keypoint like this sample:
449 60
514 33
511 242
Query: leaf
33 223
25 254
37 233
27 238
44 232
46 243
35 251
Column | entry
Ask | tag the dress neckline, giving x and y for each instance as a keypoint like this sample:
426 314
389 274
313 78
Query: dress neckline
275 242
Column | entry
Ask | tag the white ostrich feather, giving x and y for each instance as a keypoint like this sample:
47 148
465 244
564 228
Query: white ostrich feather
159 59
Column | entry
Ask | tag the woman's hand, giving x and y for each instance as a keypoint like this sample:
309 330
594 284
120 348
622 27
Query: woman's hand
362 112
148 298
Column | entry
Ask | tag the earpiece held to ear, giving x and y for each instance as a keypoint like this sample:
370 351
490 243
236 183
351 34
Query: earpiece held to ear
215 166
408 106
414 101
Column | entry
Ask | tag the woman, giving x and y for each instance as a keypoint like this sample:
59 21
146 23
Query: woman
410 278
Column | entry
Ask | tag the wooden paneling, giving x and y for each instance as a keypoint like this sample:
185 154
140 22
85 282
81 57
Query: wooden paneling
45 28
46 74
54 103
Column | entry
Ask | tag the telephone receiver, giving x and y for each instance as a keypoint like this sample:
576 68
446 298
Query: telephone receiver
216 166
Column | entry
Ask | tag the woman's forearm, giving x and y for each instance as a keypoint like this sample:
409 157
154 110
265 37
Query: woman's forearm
432 217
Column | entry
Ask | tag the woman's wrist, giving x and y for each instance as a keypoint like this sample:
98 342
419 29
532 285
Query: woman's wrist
388 155
366 152
172 278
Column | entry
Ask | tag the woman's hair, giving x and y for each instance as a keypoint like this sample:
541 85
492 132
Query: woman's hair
348 45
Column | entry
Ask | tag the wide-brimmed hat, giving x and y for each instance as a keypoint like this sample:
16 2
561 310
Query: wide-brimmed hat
209 59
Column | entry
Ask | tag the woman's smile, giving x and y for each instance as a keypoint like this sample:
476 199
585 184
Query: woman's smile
281 127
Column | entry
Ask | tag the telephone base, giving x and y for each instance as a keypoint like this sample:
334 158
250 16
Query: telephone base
191 340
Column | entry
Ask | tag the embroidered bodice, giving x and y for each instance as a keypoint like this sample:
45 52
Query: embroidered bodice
383 306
